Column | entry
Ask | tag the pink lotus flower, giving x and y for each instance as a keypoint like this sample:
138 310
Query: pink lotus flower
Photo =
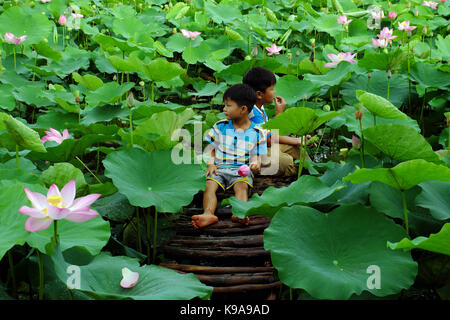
392 15
62 20
11 38
405 26
343 20
379 43
273 49
76 15
244 170
129 279
386 33
44 1
190 34
377 15
54 135
336 59
57 205
430 4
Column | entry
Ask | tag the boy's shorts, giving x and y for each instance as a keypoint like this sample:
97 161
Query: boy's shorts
228 176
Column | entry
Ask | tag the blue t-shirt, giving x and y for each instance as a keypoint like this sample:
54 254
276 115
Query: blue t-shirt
235 148
259 117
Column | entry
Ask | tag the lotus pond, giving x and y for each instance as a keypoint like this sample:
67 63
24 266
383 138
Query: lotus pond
92 97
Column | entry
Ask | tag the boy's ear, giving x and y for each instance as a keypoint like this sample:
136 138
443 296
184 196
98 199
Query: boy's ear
259 94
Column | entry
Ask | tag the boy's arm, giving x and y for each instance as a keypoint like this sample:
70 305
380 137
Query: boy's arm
280 105
255 164
292 140
211 167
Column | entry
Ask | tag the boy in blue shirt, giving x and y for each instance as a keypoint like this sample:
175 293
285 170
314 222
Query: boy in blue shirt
233 143
263 82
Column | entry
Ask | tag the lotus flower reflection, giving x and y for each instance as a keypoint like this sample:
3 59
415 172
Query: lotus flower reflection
57 205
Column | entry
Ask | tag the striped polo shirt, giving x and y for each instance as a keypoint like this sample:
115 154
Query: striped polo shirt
235 148
259 117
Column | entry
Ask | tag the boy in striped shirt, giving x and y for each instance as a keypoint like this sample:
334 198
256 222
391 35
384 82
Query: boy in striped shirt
233 143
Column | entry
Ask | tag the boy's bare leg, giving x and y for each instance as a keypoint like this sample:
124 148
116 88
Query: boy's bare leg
241 193
209 206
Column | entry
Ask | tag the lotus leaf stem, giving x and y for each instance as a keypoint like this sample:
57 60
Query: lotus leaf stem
41 276
12 273
138 230
405 212
147 221
154 235
362 143
89 170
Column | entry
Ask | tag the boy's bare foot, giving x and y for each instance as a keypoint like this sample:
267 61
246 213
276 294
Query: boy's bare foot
244 221
203 220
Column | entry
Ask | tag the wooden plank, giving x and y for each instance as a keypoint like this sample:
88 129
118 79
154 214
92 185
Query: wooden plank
189 230
246 287
224 280
200 242
242 253
215 270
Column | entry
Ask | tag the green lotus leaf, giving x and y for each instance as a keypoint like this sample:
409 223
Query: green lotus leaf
7 101
327 23
105 113
175 10
109 93
435 196
90 81
443 46
164 123
429 77
61 173
299 120
128 27
208 89
47 51
57 120
153 179
307 189
101 278
12 223
22 135
317 252
404 175
400 142
110 43
379 106
438 242
178 43
163 70
20 22
114 207
222 12
294 89
132 64
91 235
332 77
73 59
382 61
192 55
32 94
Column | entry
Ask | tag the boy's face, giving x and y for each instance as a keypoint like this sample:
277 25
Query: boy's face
266 96
232 110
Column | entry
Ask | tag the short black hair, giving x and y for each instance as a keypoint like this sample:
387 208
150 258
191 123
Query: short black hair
259 78
242 94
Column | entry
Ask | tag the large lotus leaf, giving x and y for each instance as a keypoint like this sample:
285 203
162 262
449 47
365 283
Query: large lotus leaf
222 12
57 120
21 134
47 51
90 81
101 279
115 207
307 189
32 94
439 242
73 59
429 77
193 54
20 22
69 148
153 179
294 89
378 84
163 70
132 64
6 100
404 175
299 120
128 27
400 142
331 255
109 93
63 172
91 235
379 106
332 77
327 23
110 43
207 89
348 119
164 123
436 197
12 223
24 178
443 46
178 43
382 61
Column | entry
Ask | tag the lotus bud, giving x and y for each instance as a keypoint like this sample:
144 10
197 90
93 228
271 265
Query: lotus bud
326 108
385 50
170 4
431 34
313 42
424 31
356 143
389 74
254 52
448 122
77 99
130 100
389 4
343 152
67 37
140 6
248 58
346 29
408 5
250 27
244 170
359 114
174 30
259 12
297 53
289 55
326 10
142 83
416 13
369 75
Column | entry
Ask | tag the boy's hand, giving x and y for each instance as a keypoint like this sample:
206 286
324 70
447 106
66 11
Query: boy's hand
210 170
255 167
280 104
305 140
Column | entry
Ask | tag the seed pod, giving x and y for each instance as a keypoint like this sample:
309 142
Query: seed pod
270 15
359 114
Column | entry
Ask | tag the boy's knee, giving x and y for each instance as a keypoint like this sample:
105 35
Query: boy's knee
240 186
